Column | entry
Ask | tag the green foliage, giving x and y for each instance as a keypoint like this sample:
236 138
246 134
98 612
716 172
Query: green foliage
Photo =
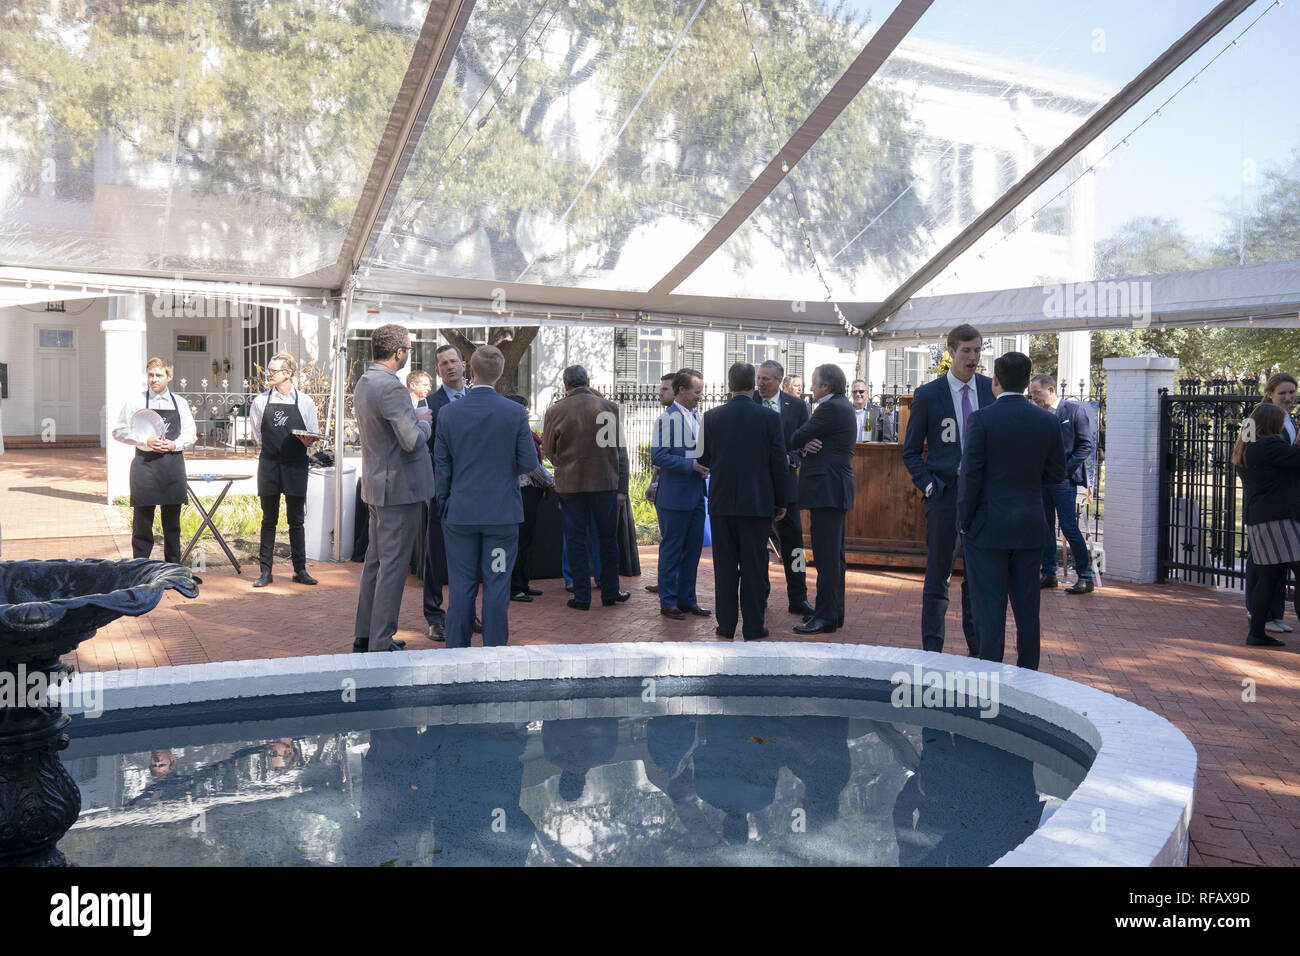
239 517
643 512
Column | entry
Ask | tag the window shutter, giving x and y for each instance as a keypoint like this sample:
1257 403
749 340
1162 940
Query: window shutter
625 356
735 350
894 366
794 358
690 349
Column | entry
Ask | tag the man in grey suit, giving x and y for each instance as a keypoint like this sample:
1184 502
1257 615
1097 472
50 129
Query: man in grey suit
396 476
482 446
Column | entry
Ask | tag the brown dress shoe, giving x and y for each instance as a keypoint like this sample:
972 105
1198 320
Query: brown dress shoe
675 613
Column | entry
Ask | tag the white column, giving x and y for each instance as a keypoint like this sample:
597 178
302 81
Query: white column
124 379
1130 524
1074 356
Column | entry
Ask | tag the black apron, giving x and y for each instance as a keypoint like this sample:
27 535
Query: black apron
158 477
282 465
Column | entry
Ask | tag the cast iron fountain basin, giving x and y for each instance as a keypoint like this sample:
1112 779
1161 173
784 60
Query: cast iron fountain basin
47 608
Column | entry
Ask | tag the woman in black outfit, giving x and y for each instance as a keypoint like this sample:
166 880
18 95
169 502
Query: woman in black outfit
1269 467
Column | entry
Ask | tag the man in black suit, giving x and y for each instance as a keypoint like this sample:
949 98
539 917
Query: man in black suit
1012 451
788 534
745 455
451 370
826 490
938 425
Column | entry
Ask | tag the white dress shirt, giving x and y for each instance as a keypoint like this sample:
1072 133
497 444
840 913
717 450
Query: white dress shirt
1288 427
306 408
158 403
957 385
863 417
774 403
692 422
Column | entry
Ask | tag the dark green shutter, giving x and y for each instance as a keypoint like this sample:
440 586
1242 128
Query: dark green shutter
735 350
794 358
625 356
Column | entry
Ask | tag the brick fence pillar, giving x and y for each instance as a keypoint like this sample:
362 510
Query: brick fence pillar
1132 495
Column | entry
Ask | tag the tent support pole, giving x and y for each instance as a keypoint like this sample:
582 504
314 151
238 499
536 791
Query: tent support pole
340 401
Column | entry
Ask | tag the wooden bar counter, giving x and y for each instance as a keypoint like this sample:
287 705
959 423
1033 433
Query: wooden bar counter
886 527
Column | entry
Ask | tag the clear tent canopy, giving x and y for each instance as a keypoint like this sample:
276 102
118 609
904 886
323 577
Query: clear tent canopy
809 167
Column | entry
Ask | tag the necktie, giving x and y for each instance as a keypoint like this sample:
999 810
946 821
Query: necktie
456 395
965 411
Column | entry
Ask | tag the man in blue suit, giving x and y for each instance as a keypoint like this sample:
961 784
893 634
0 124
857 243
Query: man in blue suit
675 449
826 490
937 425
745 454
1012 451
483 446
1058 500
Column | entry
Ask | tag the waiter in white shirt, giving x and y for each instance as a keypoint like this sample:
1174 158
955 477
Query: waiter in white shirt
158 469
282 465
861 411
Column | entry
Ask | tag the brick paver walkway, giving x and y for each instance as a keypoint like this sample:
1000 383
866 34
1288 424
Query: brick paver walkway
1175 649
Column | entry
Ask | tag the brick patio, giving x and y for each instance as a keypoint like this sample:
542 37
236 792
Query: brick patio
1175 649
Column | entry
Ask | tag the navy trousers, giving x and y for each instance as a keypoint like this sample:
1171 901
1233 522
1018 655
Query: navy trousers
474 552
681 538
941 541
996 575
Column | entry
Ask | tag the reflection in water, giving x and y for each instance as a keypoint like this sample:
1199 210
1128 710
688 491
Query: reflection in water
670 790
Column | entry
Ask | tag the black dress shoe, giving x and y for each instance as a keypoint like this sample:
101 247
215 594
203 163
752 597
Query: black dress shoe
755 637
263 579
673 613
1081 586
815 626
724 634
802 607
622 596
478 626
521 596
535 592
694 609
363 648
438 631
1265 641
392 646
359 648
302 577
579 605
1047 582
652 588
400 644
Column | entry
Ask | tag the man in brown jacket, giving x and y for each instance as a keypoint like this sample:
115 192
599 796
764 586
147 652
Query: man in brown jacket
583 438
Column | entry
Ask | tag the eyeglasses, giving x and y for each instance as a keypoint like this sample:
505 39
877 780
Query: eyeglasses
859 391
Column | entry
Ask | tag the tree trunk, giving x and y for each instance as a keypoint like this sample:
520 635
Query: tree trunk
512 340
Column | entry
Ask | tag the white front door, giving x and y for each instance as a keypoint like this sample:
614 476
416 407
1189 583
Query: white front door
58 395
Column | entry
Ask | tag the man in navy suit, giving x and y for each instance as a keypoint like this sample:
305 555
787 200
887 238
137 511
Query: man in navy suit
745 455
826 489
1058 499
451 370
1012 451
483 446
789 530
938 425
679 500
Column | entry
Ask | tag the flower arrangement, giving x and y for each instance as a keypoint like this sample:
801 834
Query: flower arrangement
941 367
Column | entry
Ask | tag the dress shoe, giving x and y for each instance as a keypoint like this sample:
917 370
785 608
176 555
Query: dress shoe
724 634
521 596
621 597
478 626
363 648
1047 582
535 592
302 577
1264 641
652 588
438 632
673 613
392 646
1081 586
755 637
579 605
263 579
694 609
802 607
815 626
400 644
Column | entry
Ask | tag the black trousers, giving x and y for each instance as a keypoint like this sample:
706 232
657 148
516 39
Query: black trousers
740 562
296 508
788 536
142 532
1269 579
826 528
519 576
435 566
941 540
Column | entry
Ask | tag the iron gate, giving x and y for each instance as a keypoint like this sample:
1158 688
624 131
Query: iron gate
1202 537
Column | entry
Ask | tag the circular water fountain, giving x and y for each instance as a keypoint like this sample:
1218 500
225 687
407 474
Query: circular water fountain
47 608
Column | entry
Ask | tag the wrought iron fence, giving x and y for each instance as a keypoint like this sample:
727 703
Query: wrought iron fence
225 431
1202 534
